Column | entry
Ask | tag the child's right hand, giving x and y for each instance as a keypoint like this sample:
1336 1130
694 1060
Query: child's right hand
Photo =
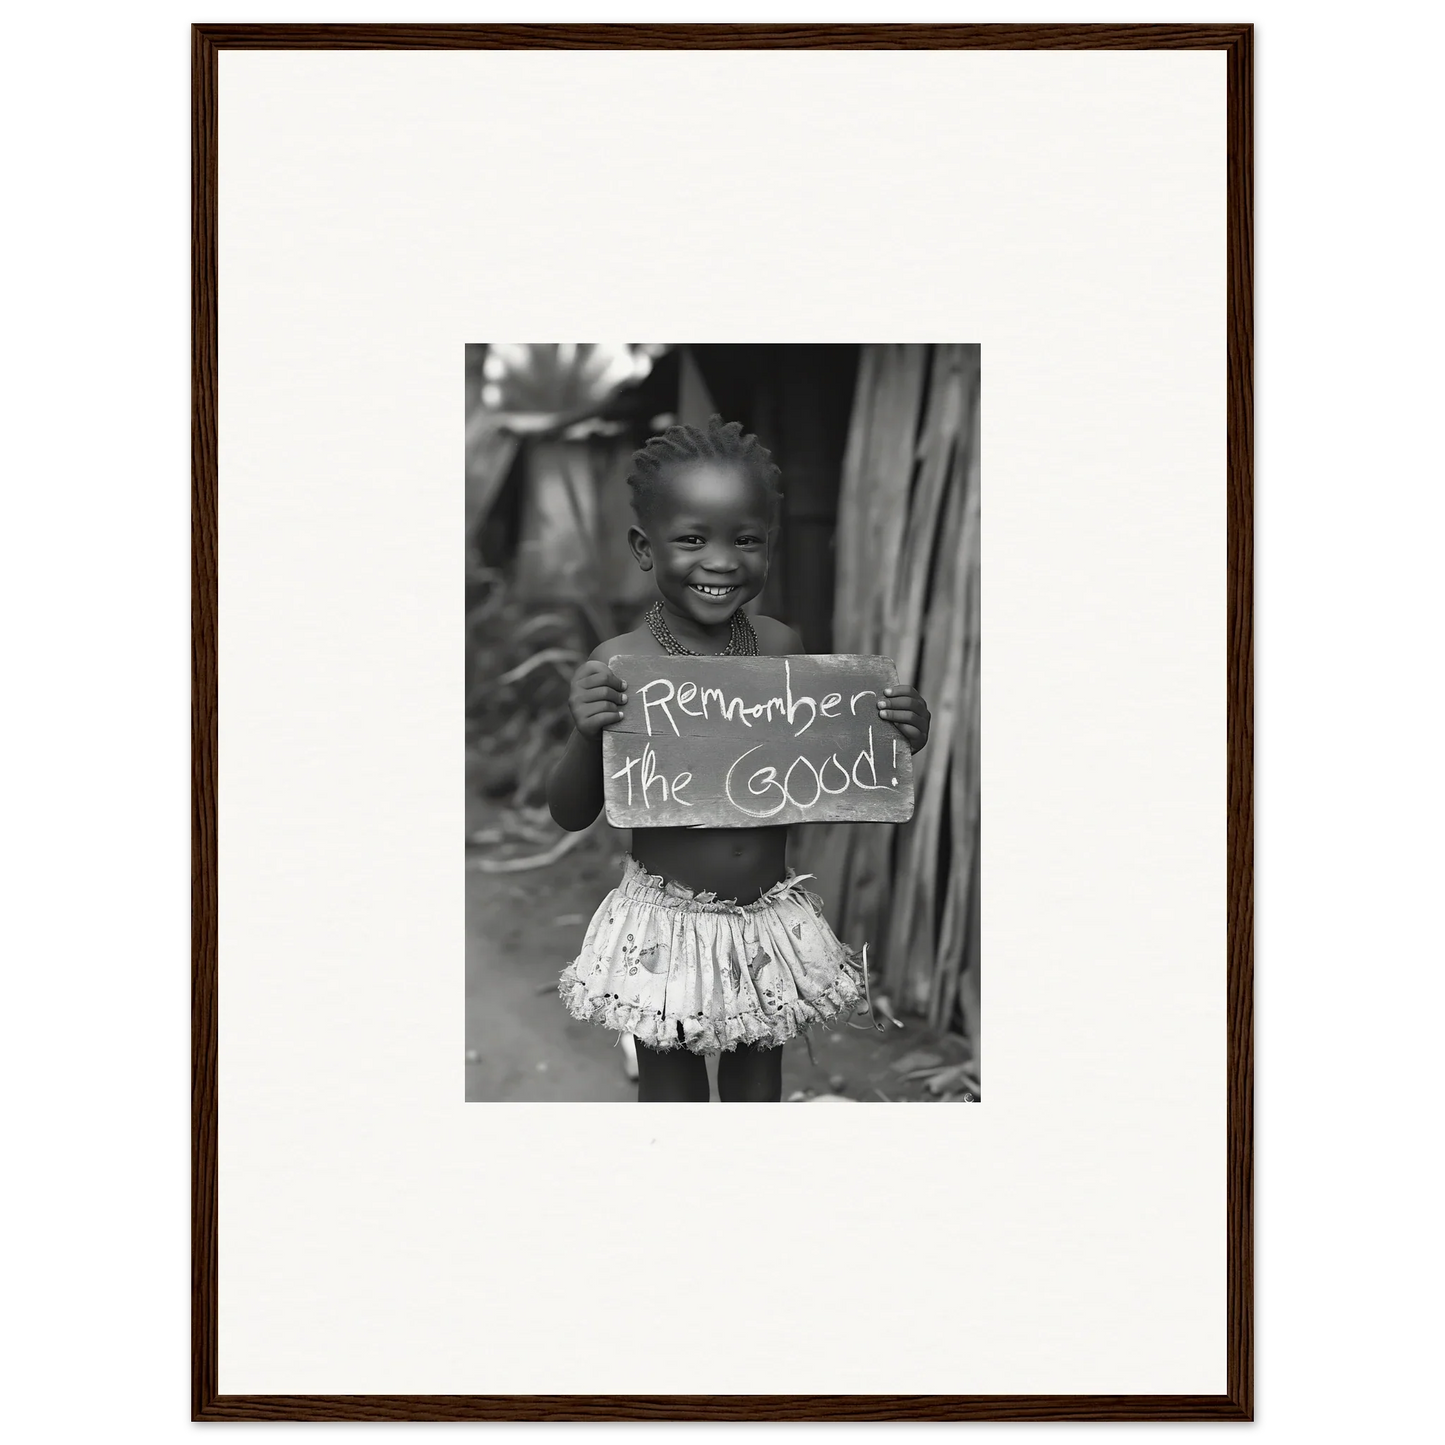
596 699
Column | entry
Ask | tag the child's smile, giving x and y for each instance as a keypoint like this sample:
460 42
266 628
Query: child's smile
705 537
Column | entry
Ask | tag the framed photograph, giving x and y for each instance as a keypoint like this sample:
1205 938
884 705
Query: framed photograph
688 718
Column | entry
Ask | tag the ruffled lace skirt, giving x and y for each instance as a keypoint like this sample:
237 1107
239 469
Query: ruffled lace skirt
678 969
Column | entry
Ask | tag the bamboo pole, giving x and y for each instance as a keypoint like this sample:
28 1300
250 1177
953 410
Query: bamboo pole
959 963
912 940
970 997
848 538
950 947
891 494
900 400
947 946
908 597
948 952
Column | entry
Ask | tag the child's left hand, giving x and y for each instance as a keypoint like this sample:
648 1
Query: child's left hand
905 708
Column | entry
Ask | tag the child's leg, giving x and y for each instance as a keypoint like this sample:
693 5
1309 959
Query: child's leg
749 1074
670 1076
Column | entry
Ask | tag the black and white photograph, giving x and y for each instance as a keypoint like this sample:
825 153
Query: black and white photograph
722 722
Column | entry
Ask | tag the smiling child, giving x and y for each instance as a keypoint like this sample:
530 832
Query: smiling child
709 944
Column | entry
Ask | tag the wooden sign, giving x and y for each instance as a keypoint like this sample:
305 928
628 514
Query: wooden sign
754 742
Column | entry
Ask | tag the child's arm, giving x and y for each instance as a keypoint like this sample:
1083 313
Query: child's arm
574 790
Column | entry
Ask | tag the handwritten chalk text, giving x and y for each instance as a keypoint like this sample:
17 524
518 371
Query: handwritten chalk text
754 742
828 777
734 709
648 777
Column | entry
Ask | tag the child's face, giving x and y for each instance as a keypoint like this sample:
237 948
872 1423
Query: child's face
706 537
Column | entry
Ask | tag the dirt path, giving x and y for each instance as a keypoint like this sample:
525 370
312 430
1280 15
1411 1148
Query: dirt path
524 928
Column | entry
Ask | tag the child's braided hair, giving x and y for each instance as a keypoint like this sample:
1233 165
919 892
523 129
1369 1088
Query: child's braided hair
719 441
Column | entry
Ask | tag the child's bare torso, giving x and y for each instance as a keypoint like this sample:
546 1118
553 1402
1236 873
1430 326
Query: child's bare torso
731 863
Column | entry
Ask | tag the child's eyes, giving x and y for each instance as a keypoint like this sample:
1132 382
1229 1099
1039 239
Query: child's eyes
749 541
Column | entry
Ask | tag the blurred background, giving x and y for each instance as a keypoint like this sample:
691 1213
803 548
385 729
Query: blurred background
877 552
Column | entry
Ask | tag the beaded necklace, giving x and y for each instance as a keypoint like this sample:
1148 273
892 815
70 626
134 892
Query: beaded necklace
743 641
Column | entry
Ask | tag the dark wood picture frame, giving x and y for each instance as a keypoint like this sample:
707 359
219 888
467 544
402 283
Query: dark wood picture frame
1236 41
